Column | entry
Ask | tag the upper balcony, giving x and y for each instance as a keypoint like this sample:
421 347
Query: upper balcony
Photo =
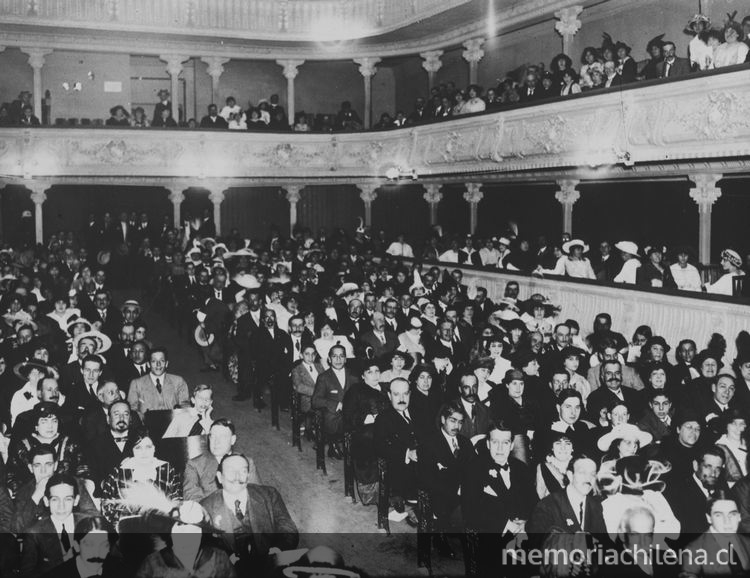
644 131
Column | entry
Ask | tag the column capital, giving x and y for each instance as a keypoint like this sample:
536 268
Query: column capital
38 196
473 193
293 193
367 193
432 194
290 67
216 197
215 65
705 192
176 195
367 65
36 56
432 62
174 63
568 194
568 23
473 52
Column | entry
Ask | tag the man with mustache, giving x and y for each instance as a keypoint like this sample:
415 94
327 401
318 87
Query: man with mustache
614 392
108 449
396 441
477 415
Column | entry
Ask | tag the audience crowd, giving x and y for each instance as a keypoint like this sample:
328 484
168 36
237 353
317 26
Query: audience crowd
609 65
513 422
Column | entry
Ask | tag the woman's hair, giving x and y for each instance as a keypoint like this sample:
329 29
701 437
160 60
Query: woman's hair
589 50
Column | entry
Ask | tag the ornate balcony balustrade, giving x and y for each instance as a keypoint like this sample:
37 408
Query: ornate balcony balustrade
258 19
640 132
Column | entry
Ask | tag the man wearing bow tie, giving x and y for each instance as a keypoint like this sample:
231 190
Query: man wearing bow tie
497 497
109 447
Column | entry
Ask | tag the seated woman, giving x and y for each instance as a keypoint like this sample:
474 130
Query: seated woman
118 116
570 83
731 262
164 120
328 339
734 50
300 122
426 398
474 103
571 358
653 273
68 453
397 365
732 443
139 119
362 403
139 477
519 411
551 474
623 440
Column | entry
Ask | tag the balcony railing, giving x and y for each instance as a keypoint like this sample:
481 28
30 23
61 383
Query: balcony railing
272 19
641 129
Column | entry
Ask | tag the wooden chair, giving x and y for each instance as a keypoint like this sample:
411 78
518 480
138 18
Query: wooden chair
349 468
384 494
471 560
320 452
296 421
737 285
424 530
274 387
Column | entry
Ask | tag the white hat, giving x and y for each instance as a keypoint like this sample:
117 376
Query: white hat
624 431
247 281
504 241
572 243
347 288
103 343
627 247
202 337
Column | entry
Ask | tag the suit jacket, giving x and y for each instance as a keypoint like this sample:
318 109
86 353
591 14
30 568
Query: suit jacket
143 396
478 423
379 350
302 380
554 513
393 437
352 329
712 554
267 522
603 397
217 122
329 392
199 479
273 354
440 472
42 550
689 506
680 67
29 512
105 454
488 504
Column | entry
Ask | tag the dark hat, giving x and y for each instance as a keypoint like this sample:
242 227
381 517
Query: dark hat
523 358
621 44
512 375
707 354
114 109
732 414
23 369
46 409
571 351
408 359
483 362
655 41
655 340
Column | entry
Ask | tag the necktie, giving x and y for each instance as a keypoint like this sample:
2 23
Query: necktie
667 69
580 514
158 385
455 447
406 418
65 539
238 511
103 313
381 336
218 295
310 367
297 345
504 468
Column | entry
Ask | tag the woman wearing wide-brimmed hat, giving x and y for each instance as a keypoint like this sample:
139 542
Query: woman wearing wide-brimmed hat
631 263
654 273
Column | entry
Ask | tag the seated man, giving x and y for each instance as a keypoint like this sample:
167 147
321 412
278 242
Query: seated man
196 420
396 441
48 543
29 499
111 445
330 388
199 479
48 390
158 389
304 376
253 519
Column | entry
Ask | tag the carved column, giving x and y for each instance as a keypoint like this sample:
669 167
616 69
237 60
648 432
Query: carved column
368 195
367 68
38 197
705 193
176 196
215 70
290 73
472 196
293 196
217 197
432 64
567 195
568 25
473 54
174 68
36 61
433 196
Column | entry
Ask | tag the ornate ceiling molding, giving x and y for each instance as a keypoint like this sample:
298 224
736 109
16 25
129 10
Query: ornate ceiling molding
701 124
107 37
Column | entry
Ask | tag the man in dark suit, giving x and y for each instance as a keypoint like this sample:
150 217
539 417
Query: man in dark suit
108 446
299 339
719 551
671 66
445 345
444 457
483 306
273 353
380 341
107 314
606 265
252 519
353 322
530 90
246 324
47 543
477 415
330 388
396 441
714 412
199 479
134 366
688 498
497 497
603 398
212 119
83 392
